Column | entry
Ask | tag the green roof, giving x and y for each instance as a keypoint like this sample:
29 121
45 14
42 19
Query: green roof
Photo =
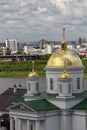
81 106
20 99
47 95
83 94
38 105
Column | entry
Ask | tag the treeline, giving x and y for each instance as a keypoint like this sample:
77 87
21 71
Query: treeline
22 68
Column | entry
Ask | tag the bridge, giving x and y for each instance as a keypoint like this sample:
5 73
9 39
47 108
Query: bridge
19 57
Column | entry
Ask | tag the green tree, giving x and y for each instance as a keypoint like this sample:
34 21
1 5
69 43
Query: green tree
8 52
19 52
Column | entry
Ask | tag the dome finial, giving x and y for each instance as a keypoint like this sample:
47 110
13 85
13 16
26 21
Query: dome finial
63 44
33 74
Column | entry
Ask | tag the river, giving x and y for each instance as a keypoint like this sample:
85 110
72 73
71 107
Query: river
6 83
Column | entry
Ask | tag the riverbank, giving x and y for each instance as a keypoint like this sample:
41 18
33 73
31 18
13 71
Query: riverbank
6 83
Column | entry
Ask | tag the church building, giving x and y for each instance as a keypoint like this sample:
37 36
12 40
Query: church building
64 104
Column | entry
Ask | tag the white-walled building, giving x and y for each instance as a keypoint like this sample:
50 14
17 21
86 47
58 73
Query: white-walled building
49 48
64 104
11 44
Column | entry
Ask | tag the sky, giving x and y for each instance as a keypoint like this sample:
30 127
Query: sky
33 20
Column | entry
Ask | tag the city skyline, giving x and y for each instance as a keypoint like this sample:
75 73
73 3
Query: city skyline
37 19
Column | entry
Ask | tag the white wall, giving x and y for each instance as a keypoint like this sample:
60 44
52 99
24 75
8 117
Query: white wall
74 73
52 123
65 123
42 125
79 121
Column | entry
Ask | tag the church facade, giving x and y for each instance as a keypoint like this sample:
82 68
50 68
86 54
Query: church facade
64 104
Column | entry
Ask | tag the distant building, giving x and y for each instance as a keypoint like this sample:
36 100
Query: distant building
81 40
42 43
11 44
49 48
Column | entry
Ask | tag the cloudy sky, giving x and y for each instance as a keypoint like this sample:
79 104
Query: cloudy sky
32 20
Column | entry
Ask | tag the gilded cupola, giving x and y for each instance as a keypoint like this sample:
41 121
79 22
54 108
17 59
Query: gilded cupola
65 74
33 73
57 59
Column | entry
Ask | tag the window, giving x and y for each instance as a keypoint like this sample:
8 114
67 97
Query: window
31 127
37 85
29 86
69 88
60 88
51 83
78 83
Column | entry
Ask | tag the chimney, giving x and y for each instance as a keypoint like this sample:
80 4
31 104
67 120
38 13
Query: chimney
14 88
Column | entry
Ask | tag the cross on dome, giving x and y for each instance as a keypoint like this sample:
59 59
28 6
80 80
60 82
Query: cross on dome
63 33
63 43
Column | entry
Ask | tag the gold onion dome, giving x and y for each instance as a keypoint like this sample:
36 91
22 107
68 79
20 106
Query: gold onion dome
58 58
33 73
65 74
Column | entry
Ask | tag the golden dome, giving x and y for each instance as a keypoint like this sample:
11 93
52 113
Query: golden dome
64 75
58 58
62 55
33 74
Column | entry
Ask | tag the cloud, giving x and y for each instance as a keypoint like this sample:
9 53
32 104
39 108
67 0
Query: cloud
36 19
41 10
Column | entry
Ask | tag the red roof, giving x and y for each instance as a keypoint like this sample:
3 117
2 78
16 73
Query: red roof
8 96
84 52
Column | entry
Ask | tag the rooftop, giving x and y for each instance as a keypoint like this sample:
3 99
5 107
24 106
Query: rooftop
8 96
81 106
37 105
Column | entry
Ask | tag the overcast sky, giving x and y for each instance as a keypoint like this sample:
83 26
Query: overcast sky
32 20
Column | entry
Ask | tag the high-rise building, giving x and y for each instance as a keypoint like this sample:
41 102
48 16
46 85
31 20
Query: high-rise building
11 44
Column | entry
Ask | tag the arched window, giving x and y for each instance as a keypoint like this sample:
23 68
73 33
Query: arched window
69 88
51 83
60 88
31 127
37 86
78 83
29 86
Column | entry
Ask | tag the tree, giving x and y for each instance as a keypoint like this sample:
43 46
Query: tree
19 52
8 52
